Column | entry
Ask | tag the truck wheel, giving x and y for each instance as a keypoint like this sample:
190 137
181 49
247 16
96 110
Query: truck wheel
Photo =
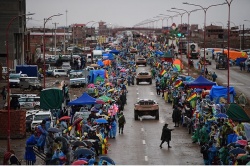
137 82
136 114
150 82
157 115
37 107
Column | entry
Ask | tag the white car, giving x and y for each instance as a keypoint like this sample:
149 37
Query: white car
39 117
70 48
53 49
31 102
59 72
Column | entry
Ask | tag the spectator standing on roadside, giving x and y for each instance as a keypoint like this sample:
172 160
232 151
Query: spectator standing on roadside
214 76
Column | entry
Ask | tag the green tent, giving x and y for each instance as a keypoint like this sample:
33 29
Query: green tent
236 113
51 98
106 98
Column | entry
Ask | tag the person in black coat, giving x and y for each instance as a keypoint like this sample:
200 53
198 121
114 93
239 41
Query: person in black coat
166 135
176 116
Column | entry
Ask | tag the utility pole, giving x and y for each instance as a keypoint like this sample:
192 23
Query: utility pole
55 36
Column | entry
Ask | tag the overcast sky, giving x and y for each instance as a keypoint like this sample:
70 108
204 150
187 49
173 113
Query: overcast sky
130 12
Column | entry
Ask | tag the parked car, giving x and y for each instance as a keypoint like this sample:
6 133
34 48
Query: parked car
39 117
59 73
14 79
31 83
53 49
32 102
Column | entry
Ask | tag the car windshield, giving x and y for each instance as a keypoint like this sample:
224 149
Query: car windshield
41 117
146 102
14 76
143 73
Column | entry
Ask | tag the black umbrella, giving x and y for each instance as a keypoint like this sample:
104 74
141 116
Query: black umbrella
53 130
64 143
79 143
106 158
83 152
88 143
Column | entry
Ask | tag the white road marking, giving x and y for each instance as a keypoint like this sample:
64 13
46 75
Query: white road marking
143 142
235 84
142 129
146 158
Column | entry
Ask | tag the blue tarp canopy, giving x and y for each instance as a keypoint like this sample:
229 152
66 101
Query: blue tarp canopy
239 60
201 81
82 100
159 53
100 63
108 56
95 73
220 91
114 51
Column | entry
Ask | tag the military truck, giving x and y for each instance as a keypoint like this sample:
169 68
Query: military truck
146 107
144 77
221 62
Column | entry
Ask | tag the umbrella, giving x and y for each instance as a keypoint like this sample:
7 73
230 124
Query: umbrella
79 143
64 142
101 120
177 65
94 110
91 86
53 130
88 143
114 51
65 118
100 102
111 90
79 162
242 156
221 115
237 151
242 142
81 152
106 158
105 98
104 116
77 121
123 70
108 84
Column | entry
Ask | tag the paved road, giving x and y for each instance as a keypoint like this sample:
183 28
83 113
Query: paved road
139 145
240 80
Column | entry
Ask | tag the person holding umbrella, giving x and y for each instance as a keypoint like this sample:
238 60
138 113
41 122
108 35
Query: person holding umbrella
166 135
121 122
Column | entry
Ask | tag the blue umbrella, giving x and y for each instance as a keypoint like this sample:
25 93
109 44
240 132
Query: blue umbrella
106 158
114 51
237 151
53 130
83 152
101 120
221 115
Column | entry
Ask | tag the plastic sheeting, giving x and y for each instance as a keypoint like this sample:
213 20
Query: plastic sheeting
220 91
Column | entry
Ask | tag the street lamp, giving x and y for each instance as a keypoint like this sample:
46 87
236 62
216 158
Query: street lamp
181 14
169 18
188 12
205 15
8 74
228 2
44 67
162 17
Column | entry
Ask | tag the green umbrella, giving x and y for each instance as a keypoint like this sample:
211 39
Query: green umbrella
99 79
105 98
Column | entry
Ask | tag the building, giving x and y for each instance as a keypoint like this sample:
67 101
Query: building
14 10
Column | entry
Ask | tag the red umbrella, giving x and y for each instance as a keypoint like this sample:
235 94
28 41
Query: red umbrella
100 102
65 118
242 142
77 121
91 85
79 162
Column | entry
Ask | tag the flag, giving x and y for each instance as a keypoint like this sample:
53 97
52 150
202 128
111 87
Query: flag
163 72
192 97
106 74
177 83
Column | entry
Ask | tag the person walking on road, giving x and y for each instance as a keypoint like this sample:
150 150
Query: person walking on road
166 135
121 122
176 116
4 93
214 76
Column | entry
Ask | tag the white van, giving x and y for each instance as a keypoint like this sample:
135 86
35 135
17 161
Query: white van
97 55
59 72
66 66
32 102
89 58
39 117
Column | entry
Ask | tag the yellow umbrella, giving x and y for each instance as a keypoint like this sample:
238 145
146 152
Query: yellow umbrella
111 90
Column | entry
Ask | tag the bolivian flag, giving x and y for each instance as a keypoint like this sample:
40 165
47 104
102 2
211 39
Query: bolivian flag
163 72
192 97
177 83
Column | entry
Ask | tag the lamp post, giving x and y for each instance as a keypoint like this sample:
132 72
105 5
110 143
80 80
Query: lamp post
188 12
181 14
205 15
169 18
8 74
44 67
228 2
